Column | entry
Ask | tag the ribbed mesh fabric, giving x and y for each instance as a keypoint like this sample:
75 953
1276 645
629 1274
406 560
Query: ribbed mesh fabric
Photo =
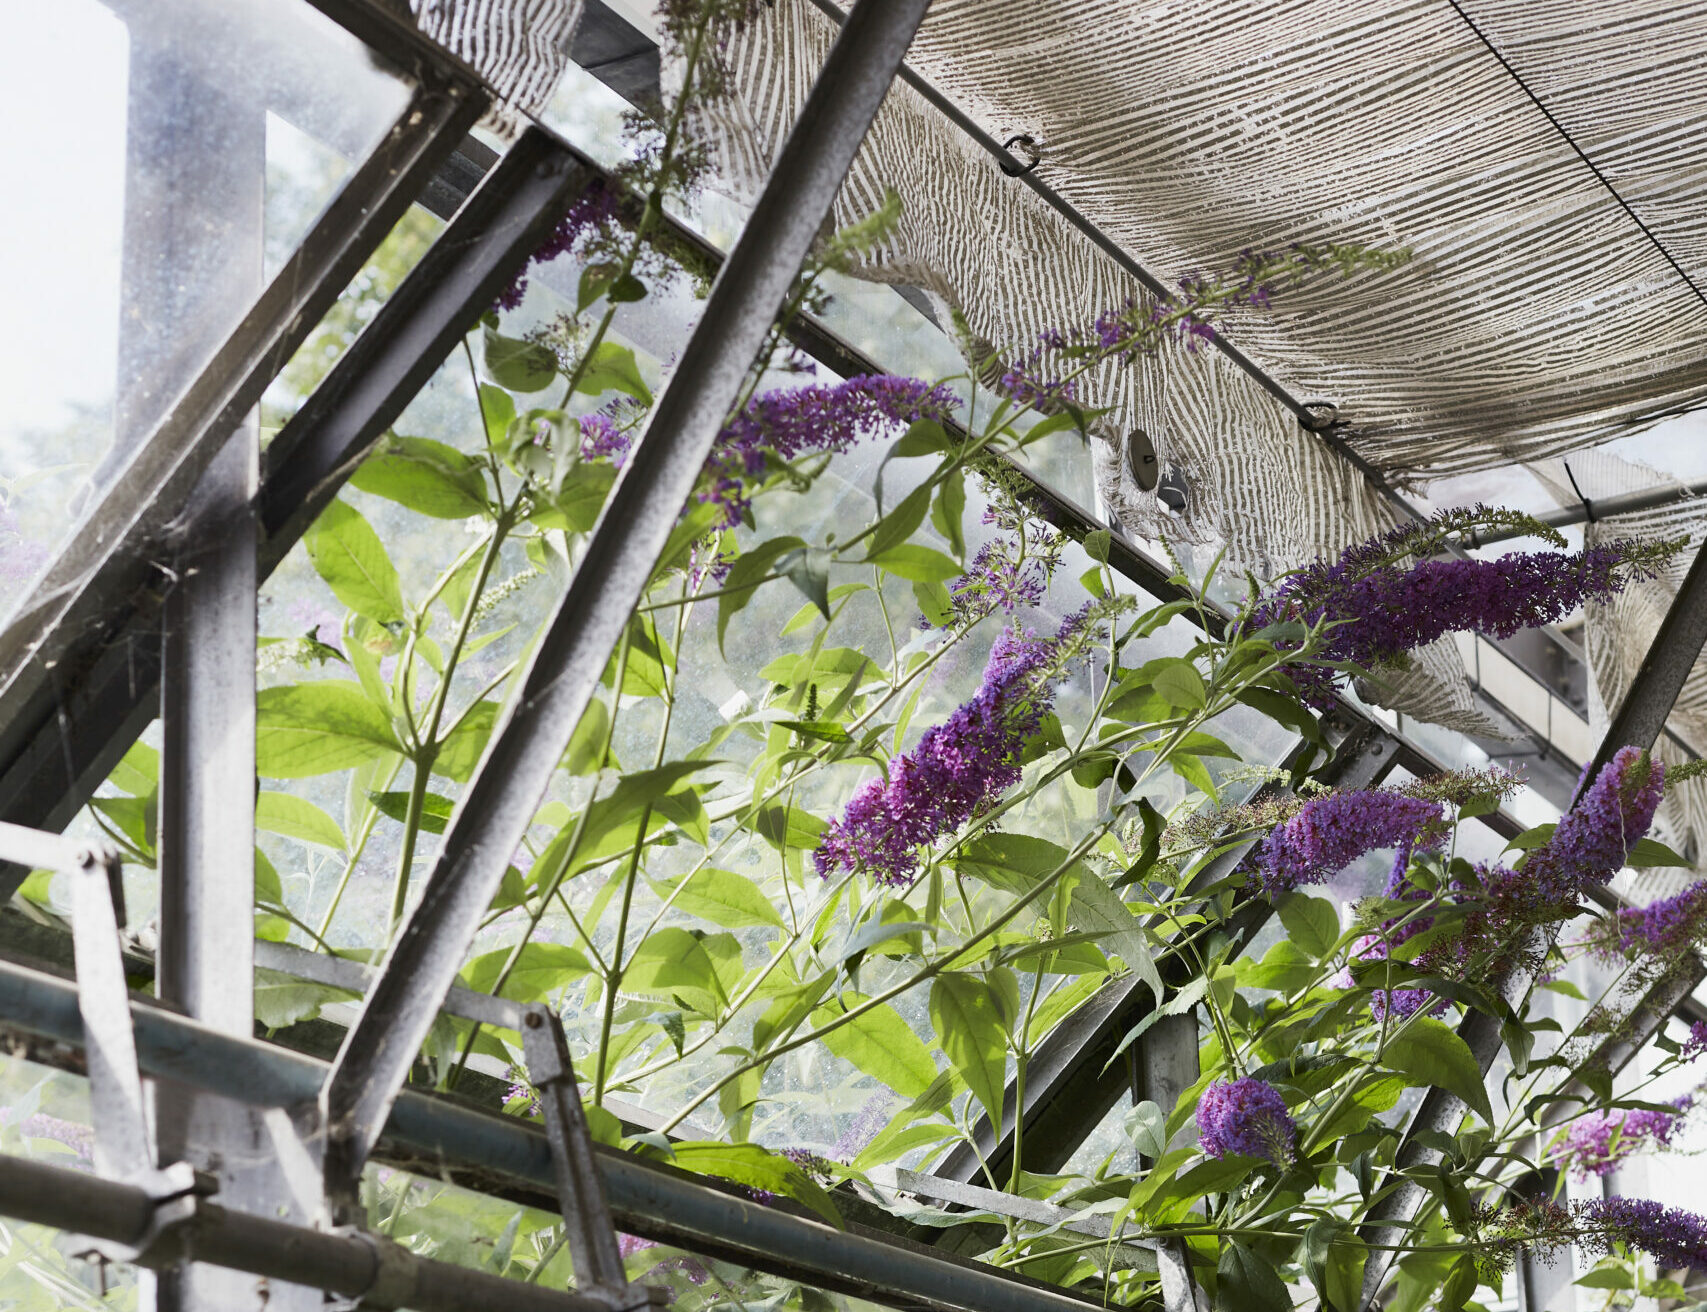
521 47
1539 314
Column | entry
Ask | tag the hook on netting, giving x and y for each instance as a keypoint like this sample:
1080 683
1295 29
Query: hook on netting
1029 142
1588 506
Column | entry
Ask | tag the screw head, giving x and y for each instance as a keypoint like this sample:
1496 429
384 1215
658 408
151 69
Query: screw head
533 1020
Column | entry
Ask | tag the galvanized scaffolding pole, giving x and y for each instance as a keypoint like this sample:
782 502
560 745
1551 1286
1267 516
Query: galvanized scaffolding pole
499 803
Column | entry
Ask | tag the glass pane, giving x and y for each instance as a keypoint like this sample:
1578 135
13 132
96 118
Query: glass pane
170 178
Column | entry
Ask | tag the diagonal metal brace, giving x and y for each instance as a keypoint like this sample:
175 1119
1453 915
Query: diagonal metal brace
122 1151
587 1220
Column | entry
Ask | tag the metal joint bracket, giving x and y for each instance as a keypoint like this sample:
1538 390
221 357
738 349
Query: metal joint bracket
587 1220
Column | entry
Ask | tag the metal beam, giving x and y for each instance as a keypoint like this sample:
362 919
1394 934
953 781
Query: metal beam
1592 512
511 1156
369 1269
107 572
499 803
1070 1085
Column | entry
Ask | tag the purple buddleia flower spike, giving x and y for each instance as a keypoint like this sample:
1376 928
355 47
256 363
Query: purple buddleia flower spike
1696 1043
797 421
1247 1117
958 769
595 208
1381 609
1670 1235
1332 831
1591 842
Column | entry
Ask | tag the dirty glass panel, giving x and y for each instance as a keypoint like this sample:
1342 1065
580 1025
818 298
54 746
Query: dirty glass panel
167 181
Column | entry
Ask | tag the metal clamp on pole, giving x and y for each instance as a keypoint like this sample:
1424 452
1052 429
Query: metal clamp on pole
122 1153
587 1223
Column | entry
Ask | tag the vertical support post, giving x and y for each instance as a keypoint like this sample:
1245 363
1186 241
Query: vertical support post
1164 1067
193 263
499 803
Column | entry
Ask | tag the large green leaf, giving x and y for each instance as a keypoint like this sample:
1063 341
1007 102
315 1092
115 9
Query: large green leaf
517 365
900 523
427 476
879 1043
612 368
917 564
315 728
724 898
1431 1053
541 970
1311 923
459 751
348 554
753 1166
673 963
1248 1283
972 1030
753 564
298 818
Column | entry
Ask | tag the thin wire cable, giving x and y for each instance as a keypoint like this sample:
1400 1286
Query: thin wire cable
1580 152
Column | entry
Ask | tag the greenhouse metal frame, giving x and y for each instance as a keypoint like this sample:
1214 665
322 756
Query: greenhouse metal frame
118 636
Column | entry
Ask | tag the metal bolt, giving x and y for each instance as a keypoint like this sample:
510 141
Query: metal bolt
86 857
533 1020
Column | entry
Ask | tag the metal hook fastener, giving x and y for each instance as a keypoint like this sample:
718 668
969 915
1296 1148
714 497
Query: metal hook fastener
1030 143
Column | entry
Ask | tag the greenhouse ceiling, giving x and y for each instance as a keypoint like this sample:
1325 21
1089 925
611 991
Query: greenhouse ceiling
1141 825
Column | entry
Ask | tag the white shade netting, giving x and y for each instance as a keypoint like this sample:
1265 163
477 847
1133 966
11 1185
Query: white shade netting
1536 317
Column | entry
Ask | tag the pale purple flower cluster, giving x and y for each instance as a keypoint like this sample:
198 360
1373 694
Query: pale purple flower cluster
1595 1144
595 209
864 1127
1696 1043
1247 1117
79 1138
996 580
791 422
1333 830
601 439
1670 1235
1666 927
1382 609
956 772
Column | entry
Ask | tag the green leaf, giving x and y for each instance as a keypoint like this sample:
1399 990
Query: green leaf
722 897
900 523
673 963
298 818
1345 1273
517 365
1431 1053
460 749
754 563
972 1031
282 1000
138 770
789 826
808 568
348 554
1248 1283
1097 543
587 743
1318 1246
880 1044
626 289
1178 681
612 368
1460 1284
1650 852
428 477
917 564
1311 923
540 971
435 810
949 513
753 1166
498 411
1610 1274
315 728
